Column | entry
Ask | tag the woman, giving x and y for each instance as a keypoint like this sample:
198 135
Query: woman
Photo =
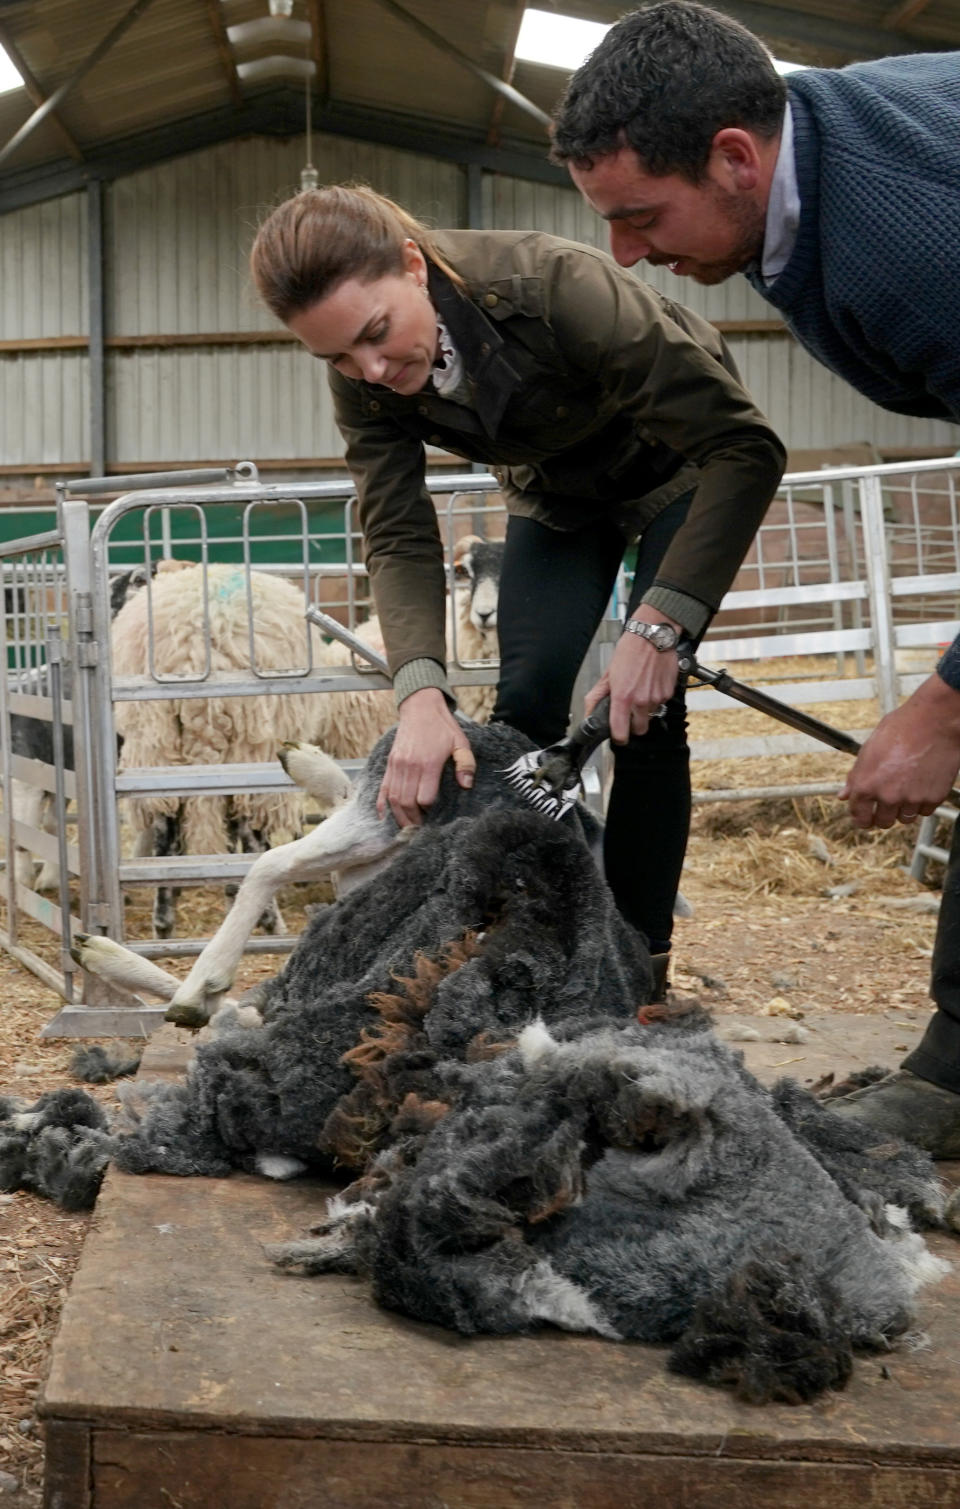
610 416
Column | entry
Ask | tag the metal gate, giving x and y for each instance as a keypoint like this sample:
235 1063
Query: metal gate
856 594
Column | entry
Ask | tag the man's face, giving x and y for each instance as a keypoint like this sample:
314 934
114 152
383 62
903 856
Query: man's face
706 231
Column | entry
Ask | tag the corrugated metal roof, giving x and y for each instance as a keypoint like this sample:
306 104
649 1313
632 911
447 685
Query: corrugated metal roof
174 64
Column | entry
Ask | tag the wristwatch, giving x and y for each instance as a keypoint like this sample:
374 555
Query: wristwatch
661 636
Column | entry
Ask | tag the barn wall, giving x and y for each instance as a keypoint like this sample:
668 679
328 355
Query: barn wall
176 240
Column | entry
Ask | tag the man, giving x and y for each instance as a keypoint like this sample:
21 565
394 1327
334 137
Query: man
837 194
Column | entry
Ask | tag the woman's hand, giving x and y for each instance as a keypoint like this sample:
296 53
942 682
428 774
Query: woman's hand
427 736
639 679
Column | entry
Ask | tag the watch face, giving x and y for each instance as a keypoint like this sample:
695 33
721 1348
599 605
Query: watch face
664 637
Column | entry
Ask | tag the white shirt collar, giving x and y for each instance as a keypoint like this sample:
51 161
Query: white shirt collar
783 207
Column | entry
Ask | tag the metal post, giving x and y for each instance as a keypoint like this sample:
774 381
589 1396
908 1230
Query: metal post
881 605
90 744
6 774
95 299
55 664
474 196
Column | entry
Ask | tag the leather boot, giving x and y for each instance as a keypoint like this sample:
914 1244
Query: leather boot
909 1108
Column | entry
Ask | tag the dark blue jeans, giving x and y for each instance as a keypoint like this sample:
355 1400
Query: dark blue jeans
937 1055
553 593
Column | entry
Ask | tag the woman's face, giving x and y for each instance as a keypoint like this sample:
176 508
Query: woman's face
384 331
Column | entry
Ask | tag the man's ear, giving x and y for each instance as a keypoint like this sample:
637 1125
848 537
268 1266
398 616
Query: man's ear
737 158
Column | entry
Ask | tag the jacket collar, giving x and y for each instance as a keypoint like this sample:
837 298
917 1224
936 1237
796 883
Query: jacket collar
481 346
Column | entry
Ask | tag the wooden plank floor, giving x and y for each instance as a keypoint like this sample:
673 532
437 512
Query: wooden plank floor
189 1373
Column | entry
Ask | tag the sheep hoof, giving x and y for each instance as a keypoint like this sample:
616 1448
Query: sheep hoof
186 1015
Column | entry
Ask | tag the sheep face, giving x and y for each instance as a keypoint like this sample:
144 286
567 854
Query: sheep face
479 567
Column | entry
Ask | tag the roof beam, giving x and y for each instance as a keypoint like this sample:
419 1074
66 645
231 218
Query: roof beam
34 90
277 112
224 50
803 30
90 61
509 64
507 90
902 14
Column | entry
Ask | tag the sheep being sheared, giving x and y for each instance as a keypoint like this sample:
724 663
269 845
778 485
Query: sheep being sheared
460 1031
354 838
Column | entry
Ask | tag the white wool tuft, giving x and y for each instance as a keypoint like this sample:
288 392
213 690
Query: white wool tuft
548 1295
279 1166
535 1043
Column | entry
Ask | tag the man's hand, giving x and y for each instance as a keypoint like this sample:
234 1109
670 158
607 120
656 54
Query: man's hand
427 736
640 679
910 761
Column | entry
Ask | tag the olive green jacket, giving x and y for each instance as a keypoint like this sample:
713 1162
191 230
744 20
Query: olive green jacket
592 396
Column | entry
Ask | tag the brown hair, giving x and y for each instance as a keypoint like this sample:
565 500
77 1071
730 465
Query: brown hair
313 242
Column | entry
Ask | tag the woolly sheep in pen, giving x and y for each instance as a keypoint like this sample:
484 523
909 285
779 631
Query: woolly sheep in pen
213 730
225 730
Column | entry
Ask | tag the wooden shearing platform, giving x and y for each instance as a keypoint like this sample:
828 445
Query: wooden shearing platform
190 1374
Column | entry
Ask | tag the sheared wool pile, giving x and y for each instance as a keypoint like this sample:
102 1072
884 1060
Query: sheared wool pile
461 1032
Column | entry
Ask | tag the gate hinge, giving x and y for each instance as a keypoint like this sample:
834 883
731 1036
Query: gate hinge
87 654
83 610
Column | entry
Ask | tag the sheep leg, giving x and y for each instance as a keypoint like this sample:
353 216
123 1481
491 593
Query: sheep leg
49 877
353 835
27 804
167 839
121 966
252 841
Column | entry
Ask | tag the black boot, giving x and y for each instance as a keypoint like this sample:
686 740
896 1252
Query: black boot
910 1109
661 969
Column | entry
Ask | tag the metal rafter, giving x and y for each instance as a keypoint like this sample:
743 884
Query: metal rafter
509 64
276 112
50 105
507 90
224 50
902 14
34 90
800 28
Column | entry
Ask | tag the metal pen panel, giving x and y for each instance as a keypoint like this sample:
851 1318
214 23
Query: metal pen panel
193 674
274 671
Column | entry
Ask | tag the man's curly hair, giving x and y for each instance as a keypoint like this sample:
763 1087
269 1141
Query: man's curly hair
664 81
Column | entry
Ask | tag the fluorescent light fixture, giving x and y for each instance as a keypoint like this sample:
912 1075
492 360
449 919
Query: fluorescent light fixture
9 77
567 41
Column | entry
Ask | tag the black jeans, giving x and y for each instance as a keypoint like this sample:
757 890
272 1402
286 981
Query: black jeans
937 1055
553 593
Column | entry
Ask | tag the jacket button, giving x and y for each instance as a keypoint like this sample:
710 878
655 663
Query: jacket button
485 349
374 406
562 411
491 300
